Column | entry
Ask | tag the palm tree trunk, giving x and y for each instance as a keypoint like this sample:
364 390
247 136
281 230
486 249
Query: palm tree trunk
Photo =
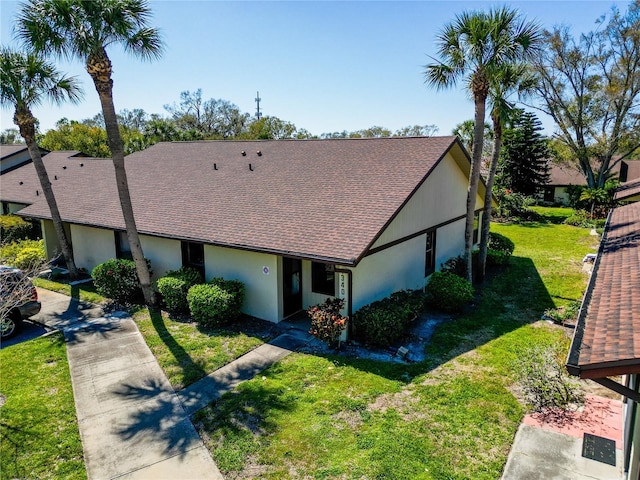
99 67
488 197
26 122
474 178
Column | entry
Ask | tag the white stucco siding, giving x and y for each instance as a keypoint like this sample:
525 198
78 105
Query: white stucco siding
262 292
441 198
396 268
92 246
560 195
164 254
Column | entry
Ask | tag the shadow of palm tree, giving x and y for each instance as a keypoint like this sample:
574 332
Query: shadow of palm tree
158 419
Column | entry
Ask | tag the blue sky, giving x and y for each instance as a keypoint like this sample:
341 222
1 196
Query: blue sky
325 66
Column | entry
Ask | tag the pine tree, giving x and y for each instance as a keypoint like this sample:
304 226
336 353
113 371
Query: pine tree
524 166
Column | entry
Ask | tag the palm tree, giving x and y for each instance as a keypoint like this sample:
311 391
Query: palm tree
510 79
25 81
83 29
472 49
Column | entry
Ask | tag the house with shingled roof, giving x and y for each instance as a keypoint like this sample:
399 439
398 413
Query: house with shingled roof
297 221
606 341
562 176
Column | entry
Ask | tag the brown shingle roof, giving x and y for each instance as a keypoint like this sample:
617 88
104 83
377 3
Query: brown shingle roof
628 190
8 150
607 337
327 199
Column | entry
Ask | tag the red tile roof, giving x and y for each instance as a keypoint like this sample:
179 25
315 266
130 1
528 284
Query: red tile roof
326 199
607 337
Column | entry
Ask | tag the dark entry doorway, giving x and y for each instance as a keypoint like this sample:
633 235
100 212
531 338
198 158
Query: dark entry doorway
291 285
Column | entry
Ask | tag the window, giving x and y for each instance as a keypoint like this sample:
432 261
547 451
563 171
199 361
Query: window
123 250
430 253
193 256
323 278
476 227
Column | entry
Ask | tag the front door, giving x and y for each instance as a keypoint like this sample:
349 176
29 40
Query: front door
291 285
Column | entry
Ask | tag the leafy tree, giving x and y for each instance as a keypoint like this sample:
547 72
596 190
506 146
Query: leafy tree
416 131
591 87
524 160
11 136
465 130
83 30
25 81
72 135
269 128
473 49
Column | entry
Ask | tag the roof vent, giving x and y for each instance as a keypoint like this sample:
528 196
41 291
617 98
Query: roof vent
215 166
251 167
82 164
64 167
37 193
21 183
244 154
55 177
259 153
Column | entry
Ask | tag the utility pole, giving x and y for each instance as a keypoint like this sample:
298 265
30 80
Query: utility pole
258 114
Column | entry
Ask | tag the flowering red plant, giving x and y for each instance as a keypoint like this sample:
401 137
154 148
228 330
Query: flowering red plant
327 323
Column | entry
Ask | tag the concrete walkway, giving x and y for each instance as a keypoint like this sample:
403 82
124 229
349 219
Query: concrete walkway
551 447
132 423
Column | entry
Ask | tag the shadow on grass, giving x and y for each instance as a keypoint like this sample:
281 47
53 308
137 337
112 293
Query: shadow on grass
192 370
510 298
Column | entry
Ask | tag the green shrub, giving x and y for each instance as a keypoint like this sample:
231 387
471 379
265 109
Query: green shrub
455 265
499 249
327 323
19 254
210 305
117 279
545 381
14 229
448 291
237 291
580 218
386 321
174 287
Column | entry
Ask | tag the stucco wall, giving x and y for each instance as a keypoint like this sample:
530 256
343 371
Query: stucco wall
51 244
164 254
262 289
442 197
560 195
92 246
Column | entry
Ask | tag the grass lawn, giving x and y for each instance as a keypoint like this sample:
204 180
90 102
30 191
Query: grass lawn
38 429
85 291
453 416
186 352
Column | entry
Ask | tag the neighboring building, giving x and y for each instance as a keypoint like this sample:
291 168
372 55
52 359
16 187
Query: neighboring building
296 221
561 176
19 183
628 192
606 341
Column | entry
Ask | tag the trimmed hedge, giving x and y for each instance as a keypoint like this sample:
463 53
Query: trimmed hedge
175 285
14 229
449 292
216 303
117 279
386 321
24 254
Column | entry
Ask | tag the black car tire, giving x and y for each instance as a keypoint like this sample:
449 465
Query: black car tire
10 326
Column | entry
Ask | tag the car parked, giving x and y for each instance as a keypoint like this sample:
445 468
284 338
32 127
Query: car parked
18 300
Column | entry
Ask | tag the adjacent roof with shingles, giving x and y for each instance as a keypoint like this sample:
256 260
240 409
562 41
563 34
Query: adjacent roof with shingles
20 185
9 150
607 337
322 199
627 190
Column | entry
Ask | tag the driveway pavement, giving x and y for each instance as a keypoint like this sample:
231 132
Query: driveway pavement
131 422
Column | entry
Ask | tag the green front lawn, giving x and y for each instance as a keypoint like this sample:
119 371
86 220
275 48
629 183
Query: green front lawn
187 352
453 416
38 428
